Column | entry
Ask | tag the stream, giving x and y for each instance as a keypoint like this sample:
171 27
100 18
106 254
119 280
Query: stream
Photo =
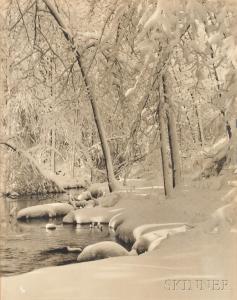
25 246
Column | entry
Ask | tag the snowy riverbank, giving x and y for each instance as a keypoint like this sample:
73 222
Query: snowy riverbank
206 260
151 276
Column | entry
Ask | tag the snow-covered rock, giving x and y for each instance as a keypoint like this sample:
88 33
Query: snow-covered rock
141 230
91 215
116 220
50 226
69 218
84 196
12 195
148 237
102 250
45 211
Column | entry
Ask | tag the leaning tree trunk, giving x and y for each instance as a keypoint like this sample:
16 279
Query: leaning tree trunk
173 139
164 145
101 131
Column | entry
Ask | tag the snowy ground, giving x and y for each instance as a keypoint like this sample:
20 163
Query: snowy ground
195 264
151 276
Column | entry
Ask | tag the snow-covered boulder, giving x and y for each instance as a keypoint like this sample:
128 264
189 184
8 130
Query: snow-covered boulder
69 218
91 215
50 226
45 211
12 195
116 220
148 237
102 250
143 229
85 196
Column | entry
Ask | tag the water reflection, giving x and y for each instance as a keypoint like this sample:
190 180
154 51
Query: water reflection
25 246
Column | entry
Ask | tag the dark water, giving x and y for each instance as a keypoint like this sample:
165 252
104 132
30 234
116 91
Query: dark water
25 246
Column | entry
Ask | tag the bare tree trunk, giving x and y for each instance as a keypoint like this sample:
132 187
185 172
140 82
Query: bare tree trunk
173 138
73 160
74 146
53 130
164 145
52 153
190 125
113 185
200 127
201 137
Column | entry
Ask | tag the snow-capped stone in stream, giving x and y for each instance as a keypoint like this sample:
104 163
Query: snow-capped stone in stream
50 226
45 211
12 195
102 250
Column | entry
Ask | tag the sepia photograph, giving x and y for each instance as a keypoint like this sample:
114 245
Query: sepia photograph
118 149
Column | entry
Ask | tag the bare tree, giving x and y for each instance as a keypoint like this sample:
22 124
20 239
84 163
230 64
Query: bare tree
101 131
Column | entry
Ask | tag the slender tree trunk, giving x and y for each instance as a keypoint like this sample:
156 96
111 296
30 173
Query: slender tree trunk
173 138
101 131
53 130
74 146
201 137
52 153
200 127
73 160
164 145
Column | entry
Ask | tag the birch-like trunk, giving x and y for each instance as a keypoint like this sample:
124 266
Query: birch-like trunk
101 131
